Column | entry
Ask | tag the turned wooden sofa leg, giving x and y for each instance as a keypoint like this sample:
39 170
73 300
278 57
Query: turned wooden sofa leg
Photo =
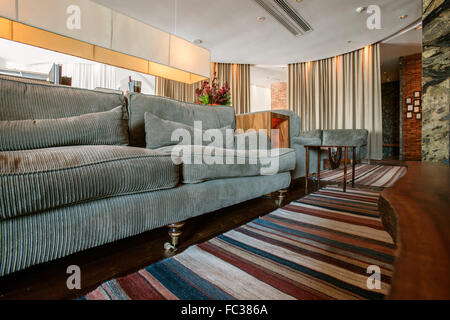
174 233
281 197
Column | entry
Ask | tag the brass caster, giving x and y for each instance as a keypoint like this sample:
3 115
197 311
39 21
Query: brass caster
279 201
174 233
169 247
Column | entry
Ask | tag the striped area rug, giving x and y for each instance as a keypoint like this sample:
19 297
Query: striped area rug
367 175
318 247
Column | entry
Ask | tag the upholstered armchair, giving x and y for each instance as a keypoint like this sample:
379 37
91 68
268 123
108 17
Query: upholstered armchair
298 141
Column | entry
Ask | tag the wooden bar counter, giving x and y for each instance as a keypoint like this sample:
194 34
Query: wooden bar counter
417 212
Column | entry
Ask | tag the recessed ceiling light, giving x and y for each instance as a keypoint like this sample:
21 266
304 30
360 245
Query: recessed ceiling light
198 41
261 19
349 41
360 9
403 16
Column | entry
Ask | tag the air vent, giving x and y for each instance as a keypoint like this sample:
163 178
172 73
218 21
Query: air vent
286 15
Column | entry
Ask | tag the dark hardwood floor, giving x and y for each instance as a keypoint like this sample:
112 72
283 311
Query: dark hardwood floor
48 280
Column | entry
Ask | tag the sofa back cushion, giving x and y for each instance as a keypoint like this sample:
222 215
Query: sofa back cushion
212 117
345 137
39 115
158 134
27 100
100 128
348 137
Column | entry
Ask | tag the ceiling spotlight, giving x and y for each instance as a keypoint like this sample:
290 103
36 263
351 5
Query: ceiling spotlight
198 41
261 19
360 9
403 17
299 1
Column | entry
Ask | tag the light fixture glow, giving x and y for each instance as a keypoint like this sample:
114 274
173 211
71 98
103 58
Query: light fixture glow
261 19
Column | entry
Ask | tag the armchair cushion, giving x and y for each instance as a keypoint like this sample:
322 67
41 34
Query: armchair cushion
345 137
312 134
307 141
348 137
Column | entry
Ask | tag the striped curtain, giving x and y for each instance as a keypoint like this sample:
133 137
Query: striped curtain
177 90
237 76
343 92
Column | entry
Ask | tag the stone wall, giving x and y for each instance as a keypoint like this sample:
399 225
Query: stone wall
390 92
436 81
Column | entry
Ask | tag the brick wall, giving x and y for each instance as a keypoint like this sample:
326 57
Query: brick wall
278 95
411 81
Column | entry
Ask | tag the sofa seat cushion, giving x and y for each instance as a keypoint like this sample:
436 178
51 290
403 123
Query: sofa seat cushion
202 163
37 180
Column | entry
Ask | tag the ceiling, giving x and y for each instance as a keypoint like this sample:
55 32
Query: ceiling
403 45
230 29
265 75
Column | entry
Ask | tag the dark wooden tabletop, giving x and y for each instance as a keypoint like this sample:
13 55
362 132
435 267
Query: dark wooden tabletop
421 202
317 146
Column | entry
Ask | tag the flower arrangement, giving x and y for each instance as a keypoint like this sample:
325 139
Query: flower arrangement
210 94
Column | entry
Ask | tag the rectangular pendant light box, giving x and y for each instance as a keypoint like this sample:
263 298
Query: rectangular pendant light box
103 36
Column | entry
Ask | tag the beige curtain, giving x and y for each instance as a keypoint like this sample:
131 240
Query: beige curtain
343 92
177 90
238 77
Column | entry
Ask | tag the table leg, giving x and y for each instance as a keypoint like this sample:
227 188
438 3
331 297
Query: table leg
318 167
345 168
353 166
307 168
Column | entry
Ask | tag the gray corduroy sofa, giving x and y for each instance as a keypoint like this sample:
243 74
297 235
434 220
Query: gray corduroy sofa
64 190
